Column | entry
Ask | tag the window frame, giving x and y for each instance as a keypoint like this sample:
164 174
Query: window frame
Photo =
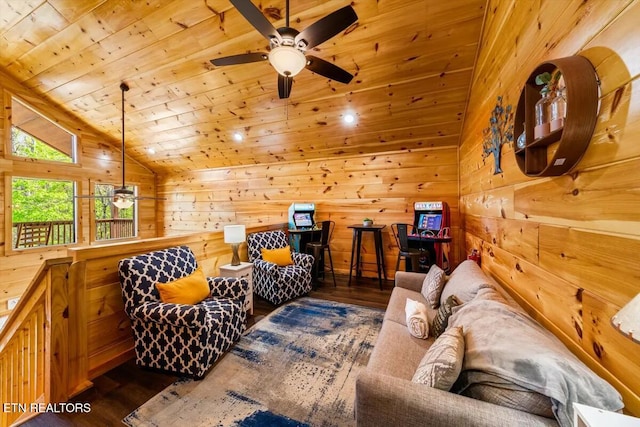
8 146
9 244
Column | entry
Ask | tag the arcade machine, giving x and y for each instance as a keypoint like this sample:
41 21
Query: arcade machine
433 222
302 226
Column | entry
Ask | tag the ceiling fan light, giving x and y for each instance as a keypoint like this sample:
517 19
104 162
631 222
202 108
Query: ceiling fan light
123 198
122 202
287 60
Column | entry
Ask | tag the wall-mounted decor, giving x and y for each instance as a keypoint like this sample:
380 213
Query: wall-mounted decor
500 130
560 145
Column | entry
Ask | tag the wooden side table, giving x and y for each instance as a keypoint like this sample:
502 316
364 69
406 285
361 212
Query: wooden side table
245 271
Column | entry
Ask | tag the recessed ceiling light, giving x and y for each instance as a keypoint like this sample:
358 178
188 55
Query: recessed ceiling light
151 151
349 118
237 136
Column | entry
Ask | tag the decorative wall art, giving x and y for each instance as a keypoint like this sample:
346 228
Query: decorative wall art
500 130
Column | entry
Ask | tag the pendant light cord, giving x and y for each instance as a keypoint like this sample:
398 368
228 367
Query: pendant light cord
123 87
287 12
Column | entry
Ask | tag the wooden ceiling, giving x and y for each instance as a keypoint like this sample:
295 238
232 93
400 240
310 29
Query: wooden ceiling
412 60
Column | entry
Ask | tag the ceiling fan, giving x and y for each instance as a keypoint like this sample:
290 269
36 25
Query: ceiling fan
288 46
122 197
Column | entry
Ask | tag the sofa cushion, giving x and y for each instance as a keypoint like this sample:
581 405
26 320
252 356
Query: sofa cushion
432 285
187 290
517 398
441 319
465 282
395 309
396 352
442 363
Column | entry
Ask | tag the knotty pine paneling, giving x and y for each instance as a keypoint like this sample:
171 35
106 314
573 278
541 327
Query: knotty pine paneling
98 162
565 247
409 90
382 187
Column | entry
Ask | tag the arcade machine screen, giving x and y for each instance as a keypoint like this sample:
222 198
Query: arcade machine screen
431 222
302 220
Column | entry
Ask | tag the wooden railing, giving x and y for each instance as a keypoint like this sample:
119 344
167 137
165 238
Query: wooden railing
116 228
30 234
34 346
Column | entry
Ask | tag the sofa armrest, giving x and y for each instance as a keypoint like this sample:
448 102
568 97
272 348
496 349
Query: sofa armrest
182 315
410 280
382 400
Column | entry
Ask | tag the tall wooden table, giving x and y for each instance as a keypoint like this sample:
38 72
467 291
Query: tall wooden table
356 246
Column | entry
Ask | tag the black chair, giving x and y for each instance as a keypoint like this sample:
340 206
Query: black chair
411 255
317 249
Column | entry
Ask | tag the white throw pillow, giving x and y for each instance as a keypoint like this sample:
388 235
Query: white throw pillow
442 364
432 285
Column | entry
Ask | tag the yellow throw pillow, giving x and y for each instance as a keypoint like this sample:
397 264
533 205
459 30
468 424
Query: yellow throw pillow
281 256
187 290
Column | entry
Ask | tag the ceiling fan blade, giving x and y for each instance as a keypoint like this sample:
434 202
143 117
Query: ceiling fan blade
284 86
327 27
93 197
150 198
327 69
243 58
255 17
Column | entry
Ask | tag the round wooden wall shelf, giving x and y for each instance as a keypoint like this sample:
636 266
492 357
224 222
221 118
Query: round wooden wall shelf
542 156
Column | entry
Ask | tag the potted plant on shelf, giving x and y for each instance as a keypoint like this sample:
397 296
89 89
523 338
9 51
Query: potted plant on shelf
367 222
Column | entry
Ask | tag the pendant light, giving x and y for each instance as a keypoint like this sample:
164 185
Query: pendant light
122 197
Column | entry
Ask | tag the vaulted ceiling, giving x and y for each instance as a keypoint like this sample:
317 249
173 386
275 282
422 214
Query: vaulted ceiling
412 61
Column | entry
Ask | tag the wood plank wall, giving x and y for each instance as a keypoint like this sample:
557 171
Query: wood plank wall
99 162
346 190
567 247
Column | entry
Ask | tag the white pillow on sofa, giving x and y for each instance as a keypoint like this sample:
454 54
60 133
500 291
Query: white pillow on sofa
432 285
442 363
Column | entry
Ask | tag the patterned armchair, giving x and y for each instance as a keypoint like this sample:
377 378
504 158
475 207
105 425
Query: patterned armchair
180 338
274 283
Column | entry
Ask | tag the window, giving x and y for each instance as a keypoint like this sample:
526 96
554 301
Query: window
36 137
111 222
43 212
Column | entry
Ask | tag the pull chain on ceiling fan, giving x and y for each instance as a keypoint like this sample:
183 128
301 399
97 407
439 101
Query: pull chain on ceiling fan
288 46
123 198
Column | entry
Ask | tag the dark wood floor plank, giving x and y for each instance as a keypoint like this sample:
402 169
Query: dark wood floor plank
121 390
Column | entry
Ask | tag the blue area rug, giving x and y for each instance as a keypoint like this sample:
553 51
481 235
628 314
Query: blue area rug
296 367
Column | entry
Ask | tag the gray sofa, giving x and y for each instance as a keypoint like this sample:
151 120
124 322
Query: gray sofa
385 393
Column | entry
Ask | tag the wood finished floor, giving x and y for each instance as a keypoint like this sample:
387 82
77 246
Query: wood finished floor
123 389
